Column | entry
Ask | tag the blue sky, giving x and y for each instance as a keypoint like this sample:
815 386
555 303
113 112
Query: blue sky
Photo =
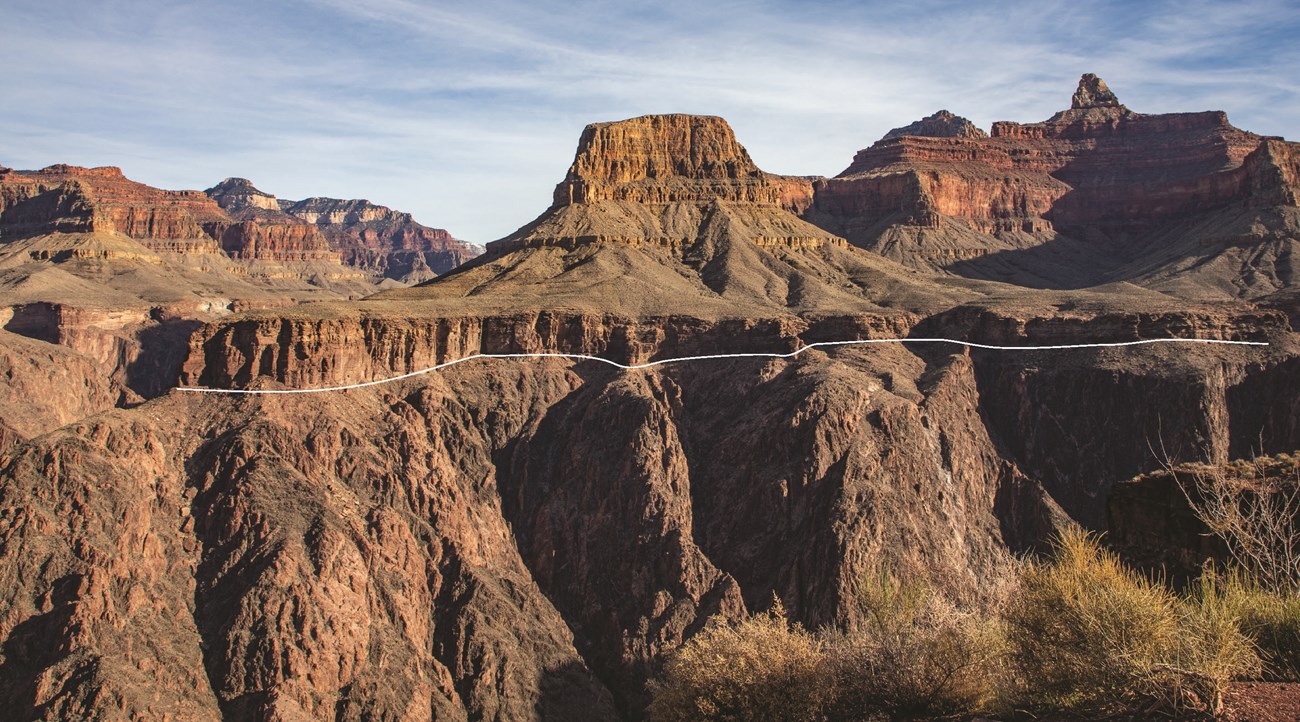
467 114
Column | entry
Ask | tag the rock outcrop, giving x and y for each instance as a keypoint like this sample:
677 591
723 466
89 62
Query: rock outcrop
1093 93
65 198
1152 523
120 272
371 238
383 241
1068 202
242 200
940 125
662 180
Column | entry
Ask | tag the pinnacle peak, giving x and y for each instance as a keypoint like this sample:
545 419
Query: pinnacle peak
1093 93
236 185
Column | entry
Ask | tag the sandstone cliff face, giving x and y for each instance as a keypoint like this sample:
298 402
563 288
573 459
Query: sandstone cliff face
1091 181
271 241
371 238
69 198
663 158
383 241
657 180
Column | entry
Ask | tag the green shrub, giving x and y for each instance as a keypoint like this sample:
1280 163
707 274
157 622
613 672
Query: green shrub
761 668
1087 632
913 654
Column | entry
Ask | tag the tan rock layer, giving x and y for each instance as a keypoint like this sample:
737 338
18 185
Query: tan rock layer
321 352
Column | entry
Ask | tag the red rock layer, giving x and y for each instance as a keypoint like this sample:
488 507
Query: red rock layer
270 241
70 198
379 239
658 180
373 238
1095 165
663 159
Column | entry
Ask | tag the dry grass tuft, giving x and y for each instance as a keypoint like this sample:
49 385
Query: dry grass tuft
1087 632
914 654
1269 618
761 668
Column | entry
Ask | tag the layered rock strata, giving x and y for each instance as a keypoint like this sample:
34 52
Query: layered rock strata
65 198
659 179
526 538
937 193
372 238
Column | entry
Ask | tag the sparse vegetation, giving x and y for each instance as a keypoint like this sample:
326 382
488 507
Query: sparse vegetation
1270 619
1254 508
761 668
914 654
1087 632
1081 632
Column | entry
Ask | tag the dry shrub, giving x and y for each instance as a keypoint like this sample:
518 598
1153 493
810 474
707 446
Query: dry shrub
1254 508
914 654
1087 632
1271 619
761 668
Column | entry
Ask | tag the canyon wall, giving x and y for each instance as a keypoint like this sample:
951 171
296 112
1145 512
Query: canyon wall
1098 174
372 238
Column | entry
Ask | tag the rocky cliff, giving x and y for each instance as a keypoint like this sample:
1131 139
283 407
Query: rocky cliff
65 198
371 238
1153 524
525 538
663 180
1068 202
502 539
642 502
120 273
940 125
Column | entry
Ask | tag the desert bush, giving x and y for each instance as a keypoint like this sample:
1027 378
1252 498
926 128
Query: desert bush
1270 619
913 654
1087 632
760 668
1254 508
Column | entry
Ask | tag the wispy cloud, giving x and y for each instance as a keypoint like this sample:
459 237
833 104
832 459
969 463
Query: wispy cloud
466 113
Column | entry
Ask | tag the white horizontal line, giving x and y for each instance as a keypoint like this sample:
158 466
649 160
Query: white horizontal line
662 362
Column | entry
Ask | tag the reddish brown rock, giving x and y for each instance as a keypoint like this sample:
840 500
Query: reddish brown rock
47 386
381 240
942 124
660 159
372 238
271 241
526 538
1096 181
661 180
68 198
1093 93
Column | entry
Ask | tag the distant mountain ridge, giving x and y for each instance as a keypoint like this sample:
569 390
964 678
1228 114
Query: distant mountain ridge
1095 194
371 237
